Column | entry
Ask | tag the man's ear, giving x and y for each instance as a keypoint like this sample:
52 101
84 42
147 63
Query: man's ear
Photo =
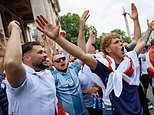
108 50
26 58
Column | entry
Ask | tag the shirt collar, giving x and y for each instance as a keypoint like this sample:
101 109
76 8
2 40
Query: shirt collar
32 71
29 69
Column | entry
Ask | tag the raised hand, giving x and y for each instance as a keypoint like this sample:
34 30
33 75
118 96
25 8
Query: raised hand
52 44
13 24
47 28
92 31
134 12
150 24
84 18
2 43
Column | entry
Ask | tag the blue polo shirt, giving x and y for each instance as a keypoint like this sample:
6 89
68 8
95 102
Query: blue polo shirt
68 89
128 103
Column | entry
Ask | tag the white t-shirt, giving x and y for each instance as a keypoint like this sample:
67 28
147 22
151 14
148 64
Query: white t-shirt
143 63
36 95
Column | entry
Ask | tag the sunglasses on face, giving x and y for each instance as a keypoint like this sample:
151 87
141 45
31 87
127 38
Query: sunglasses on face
59 59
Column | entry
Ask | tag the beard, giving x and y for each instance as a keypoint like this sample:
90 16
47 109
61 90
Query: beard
42 66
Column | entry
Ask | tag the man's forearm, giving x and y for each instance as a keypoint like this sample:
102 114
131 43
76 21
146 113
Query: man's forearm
146 35
77 52
81 39
13 48
81 36
70 47
90 41
137 30
47 48
13 59
143 40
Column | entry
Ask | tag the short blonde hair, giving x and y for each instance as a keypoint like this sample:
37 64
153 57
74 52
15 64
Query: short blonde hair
106 41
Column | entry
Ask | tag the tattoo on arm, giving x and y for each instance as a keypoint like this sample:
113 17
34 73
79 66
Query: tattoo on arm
145 36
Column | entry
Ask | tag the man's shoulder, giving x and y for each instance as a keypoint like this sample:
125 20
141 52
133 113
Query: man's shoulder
54 72
132 54
73 64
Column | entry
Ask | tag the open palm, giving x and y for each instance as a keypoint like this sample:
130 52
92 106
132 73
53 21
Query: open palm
84 18
47 28
134 12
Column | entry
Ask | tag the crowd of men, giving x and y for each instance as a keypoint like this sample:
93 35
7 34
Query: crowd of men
77 79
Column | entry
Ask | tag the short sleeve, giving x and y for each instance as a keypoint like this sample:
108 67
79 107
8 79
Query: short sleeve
130 46
102 71
134 56
15 90
30 82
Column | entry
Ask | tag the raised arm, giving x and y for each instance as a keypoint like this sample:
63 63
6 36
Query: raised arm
144 38
92 39
2 51
53 33
137 29
13 57
52 45
81 36
44 43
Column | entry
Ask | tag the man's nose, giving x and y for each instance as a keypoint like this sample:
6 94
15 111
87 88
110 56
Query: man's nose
121 43
44 55
61 60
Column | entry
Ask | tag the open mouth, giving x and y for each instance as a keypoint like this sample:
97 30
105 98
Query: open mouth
62 65
122 49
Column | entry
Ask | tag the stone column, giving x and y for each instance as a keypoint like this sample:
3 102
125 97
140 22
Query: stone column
47 10
38 9
52 13
54 16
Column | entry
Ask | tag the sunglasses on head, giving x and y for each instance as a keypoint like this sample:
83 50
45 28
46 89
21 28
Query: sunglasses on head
59 59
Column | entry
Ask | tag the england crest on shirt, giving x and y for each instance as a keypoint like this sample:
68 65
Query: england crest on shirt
70 81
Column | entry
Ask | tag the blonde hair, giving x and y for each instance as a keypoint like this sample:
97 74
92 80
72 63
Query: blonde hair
106 41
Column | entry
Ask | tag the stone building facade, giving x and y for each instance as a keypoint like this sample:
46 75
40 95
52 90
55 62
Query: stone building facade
25 11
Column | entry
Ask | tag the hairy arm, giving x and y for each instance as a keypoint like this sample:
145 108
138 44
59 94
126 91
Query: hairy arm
45 44
53 33
81 36
91 40
76 51
144 38
137 29
14 70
